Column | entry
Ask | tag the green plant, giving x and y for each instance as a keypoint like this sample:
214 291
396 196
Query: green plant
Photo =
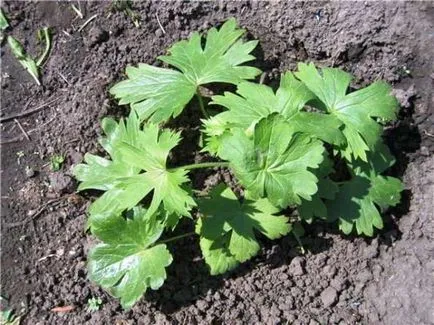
30 64
4 24
56 162
282 146
94 304
8 317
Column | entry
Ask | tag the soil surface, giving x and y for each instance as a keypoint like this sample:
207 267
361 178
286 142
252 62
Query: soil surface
340 279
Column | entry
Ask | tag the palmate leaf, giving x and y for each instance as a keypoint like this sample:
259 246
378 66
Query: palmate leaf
355 110
356 202
129 262
274 163
103 174
227 228
255 101
159 93
137 168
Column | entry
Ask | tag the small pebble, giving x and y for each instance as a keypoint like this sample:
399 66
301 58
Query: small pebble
297 266
329 297
30 172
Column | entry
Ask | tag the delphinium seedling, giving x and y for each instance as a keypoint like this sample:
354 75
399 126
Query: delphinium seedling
282 146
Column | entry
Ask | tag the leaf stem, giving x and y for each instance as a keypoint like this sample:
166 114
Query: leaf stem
203 165
176 237
201 105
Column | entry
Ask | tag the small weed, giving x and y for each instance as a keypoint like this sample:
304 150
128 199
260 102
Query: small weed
94 304
8 317
27 61
56 162
3 21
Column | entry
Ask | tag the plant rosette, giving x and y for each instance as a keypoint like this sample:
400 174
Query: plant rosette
282 146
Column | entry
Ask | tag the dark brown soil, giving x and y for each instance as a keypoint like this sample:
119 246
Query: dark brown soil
346 280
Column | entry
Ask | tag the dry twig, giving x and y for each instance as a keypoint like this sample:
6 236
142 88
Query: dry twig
22 129
28 112
159 24
86 23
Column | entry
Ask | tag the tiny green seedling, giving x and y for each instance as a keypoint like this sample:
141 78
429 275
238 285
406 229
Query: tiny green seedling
4 24
24 59
8 317
281 144
44 36
31 65
56 162
94 304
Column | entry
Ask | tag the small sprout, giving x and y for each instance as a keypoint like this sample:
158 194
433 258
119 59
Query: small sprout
32 66
298 232
94 304
26 61
56 162
8 317
3 21
44 35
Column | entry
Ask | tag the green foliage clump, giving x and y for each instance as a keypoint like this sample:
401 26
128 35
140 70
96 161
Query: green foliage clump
282 146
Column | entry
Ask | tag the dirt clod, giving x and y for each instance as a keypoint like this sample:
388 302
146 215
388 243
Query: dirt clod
405 96
329 297
297 266
61 183
96 35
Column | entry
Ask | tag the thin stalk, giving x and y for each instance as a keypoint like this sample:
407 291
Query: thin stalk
201 105
203 165
298 239
176 237
45 35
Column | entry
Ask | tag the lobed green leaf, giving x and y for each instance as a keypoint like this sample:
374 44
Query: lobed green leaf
274 163
158 93
228 228
129 262
356 202
255 101
355 110
137 169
